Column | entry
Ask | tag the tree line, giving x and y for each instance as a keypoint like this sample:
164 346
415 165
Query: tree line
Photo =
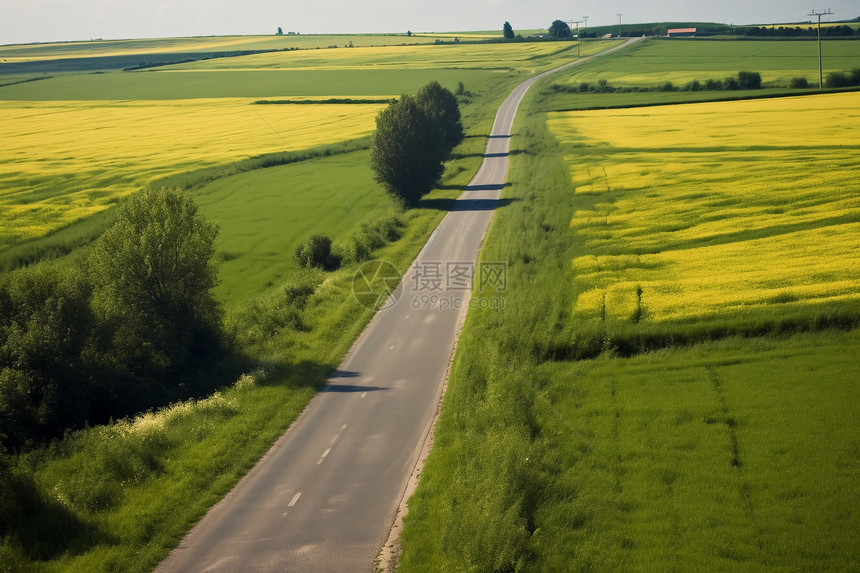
795 32
131 327
744 80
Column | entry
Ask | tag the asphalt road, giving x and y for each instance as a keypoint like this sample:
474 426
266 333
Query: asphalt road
325 496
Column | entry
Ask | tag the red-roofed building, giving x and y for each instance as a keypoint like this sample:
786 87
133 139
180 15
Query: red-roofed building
681 32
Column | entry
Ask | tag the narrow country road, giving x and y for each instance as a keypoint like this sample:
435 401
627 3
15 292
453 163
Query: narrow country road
324 498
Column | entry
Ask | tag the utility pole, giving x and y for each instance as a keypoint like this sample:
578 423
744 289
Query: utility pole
585 19
619 19
820 72
578 39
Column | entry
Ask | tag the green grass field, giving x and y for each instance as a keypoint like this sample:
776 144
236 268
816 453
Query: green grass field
736 455
704 444
152 85
257 247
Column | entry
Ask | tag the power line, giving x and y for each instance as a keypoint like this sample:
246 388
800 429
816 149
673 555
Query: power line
820 73
578 40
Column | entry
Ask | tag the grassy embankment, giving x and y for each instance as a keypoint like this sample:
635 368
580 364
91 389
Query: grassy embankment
118 497
704 260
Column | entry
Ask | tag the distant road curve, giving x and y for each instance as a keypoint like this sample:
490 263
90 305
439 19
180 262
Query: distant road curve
325 496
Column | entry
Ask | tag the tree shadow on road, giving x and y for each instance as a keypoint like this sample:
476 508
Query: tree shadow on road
466 204
486 155
492 187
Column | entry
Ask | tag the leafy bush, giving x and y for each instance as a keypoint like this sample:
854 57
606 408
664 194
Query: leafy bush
799 83
316 253
837 80
371 236
46 327
749 80
713 85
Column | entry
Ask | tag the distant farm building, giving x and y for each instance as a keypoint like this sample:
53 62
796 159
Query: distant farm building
682 32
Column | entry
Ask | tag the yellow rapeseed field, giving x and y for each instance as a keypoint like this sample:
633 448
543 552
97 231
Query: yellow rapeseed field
450 56
707 209
63 161
113 48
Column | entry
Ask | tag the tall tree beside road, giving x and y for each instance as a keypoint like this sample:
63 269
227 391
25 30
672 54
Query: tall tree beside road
414 136
440 104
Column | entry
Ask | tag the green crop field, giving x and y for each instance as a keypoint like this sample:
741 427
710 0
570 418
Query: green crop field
583 429
257 248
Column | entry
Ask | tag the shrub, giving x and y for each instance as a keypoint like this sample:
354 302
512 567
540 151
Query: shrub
799 83
837 80
713 85
749 80
731 84
46 326
603 87
316 253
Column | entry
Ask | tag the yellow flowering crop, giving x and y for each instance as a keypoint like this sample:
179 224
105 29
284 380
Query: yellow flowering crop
706 209
63 161
450 56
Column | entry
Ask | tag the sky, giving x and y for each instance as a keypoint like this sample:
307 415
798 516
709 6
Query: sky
62 20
